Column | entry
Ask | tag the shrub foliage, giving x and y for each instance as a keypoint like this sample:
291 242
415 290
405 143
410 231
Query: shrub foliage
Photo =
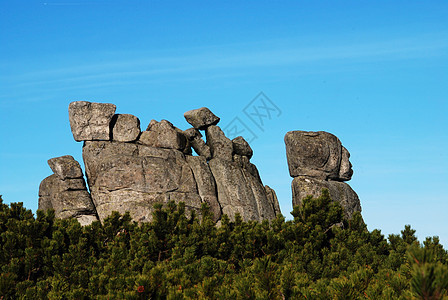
317 255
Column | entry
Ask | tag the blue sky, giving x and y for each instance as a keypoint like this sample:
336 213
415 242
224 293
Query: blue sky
373 73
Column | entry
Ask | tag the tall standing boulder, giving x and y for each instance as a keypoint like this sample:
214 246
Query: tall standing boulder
220 145
272 197
65 191
234 191
90 121
316 161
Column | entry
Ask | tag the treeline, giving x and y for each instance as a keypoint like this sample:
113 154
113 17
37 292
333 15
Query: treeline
317 255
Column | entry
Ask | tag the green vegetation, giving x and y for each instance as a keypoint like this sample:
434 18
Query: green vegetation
317 255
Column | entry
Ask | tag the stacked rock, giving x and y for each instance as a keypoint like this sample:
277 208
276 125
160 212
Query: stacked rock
238 184
316 161
130 170
65 191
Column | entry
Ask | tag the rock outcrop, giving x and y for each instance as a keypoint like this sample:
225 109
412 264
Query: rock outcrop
130 170
65 191
316 161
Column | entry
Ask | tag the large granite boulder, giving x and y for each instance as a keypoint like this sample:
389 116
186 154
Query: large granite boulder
125 128
90 121
313 154
201 118
66 192
339 191
132 177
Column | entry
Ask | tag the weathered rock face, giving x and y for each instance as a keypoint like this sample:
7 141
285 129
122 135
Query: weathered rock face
90 121
234 191
66 192
129 170
318 160
134 177
205 183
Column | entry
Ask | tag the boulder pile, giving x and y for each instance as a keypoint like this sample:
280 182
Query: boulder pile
130 170
316 161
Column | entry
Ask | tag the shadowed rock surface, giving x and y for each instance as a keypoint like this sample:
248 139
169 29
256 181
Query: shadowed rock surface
198 144
205 183
129 170
272 197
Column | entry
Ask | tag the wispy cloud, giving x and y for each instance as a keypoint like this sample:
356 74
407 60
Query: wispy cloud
121 69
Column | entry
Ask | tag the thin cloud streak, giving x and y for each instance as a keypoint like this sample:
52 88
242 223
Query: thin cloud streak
228 59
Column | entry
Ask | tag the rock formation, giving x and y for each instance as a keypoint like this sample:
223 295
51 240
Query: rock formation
65 191
130 170
317 160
